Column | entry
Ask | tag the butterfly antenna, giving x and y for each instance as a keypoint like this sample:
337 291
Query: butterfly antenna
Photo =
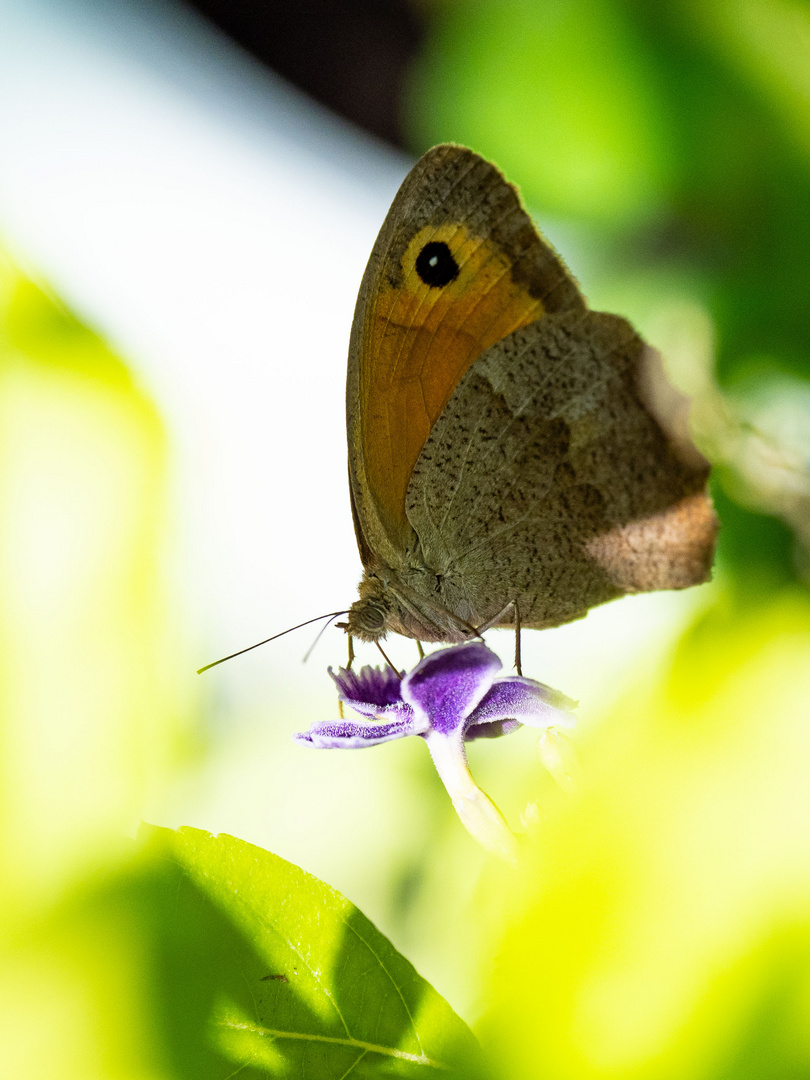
320 634
331 615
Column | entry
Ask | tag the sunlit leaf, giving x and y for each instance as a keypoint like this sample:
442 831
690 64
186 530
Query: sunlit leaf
289 977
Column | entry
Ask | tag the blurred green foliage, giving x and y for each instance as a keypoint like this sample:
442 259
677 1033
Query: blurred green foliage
663 924
84 598
85 612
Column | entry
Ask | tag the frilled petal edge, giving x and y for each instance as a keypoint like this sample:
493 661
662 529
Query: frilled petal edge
373 692
378 687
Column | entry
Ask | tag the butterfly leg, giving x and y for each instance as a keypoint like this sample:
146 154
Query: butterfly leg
386 659
497 619
518 665
494 620
348 668
421 650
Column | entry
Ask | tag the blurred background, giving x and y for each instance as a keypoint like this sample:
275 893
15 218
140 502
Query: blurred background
188 196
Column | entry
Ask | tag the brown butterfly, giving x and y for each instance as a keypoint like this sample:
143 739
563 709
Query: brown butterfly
505 458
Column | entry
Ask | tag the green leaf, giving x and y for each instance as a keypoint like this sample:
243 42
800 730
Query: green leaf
286 976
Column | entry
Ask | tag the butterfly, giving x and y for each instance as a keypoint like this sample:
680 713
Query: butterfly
506 459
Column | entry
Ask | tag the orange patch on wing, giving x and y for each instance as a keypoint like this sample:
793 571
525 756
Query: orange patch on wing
419 342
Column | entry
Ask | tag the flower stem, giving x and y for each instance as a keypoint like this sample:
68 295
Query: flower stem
478 813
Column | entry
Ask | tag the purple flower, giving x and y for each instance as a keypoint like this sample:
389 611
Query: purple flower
451 696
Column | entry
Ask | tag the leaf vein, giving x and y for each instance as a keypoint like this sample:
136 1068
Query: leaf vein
366 1047
393 982
354 1064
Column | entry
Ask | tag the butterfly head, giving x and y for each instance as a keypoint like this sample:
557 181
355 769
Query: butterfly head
389 604
368 618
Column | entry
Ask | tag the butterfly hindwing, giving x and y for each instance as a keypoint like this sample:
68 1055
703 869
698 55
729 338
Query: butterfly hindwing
548 480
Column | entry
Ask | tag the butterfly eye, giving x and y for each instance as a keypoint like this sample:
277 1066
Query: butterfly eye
435 264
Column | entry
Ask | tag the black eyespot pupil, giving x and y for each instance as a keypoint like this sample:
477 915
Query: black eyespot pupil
435 264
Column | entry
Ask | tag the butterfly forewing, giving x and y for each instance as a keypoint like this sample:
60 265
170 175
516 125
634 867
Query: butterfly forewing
458 266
